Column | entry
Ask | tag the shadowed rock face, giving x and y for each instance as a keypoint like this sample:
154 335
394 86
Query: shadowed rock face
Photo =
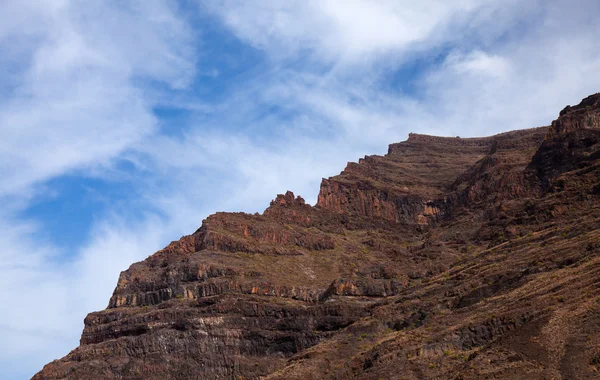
447 258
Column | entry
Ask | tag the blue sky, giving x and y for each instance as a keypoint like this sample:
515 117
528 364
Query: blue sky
123 124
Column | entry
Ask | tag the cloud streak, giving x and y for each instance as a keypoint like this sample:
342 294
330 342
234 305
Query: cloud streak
354 30
78 101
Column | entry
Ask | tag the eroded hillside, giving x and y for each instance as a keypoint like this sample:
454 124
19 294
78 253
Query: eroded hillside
447 258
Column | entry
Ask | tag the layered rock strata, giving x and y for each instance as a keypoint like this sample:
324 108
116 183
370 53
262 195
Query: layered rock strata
447 258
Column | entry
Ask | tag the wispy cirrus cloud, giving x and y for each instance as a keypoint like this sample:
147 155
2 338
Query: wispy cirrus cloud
354 30
77 97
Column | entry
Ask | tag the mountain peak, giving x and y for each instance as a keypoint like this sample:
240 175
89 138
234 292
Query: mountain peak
446 258
585 115
288 200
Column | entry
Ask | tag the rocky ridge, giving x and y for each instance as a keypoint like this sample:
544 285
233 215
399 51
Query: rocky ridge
447 258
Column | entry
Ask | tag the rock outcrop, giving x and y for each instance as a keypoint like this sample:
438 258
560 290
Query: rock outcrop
447 258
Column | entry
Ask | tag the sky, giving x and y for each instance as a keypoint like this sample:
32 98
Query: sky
123 124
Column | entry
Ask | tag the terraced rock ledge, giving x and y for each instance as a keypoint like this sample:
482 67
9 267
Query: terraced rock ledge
447 258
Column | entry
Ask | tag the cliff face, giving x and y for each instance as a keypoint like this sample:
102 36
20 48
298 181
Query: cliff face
447 258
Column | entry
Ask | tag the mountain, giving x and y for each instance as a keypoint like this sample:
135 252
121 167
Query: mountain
447 258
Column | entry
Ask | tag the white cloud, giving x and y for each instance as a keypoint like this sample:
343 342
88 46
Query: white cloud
351 30
75 100
46 299
524 82
479 63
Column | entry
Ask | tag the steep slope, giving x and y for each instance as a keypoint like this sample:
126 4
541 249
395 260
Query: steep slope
445 258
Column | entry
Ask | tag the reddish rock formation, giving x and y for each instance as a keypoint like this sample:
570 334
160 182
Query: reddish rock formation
447 258
586 115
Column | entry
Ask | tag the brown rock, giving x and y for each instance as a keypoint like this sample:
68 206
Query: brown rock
447 258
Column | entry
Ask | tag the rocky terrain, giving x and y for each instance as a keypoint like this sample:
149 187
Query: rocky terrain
447 258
